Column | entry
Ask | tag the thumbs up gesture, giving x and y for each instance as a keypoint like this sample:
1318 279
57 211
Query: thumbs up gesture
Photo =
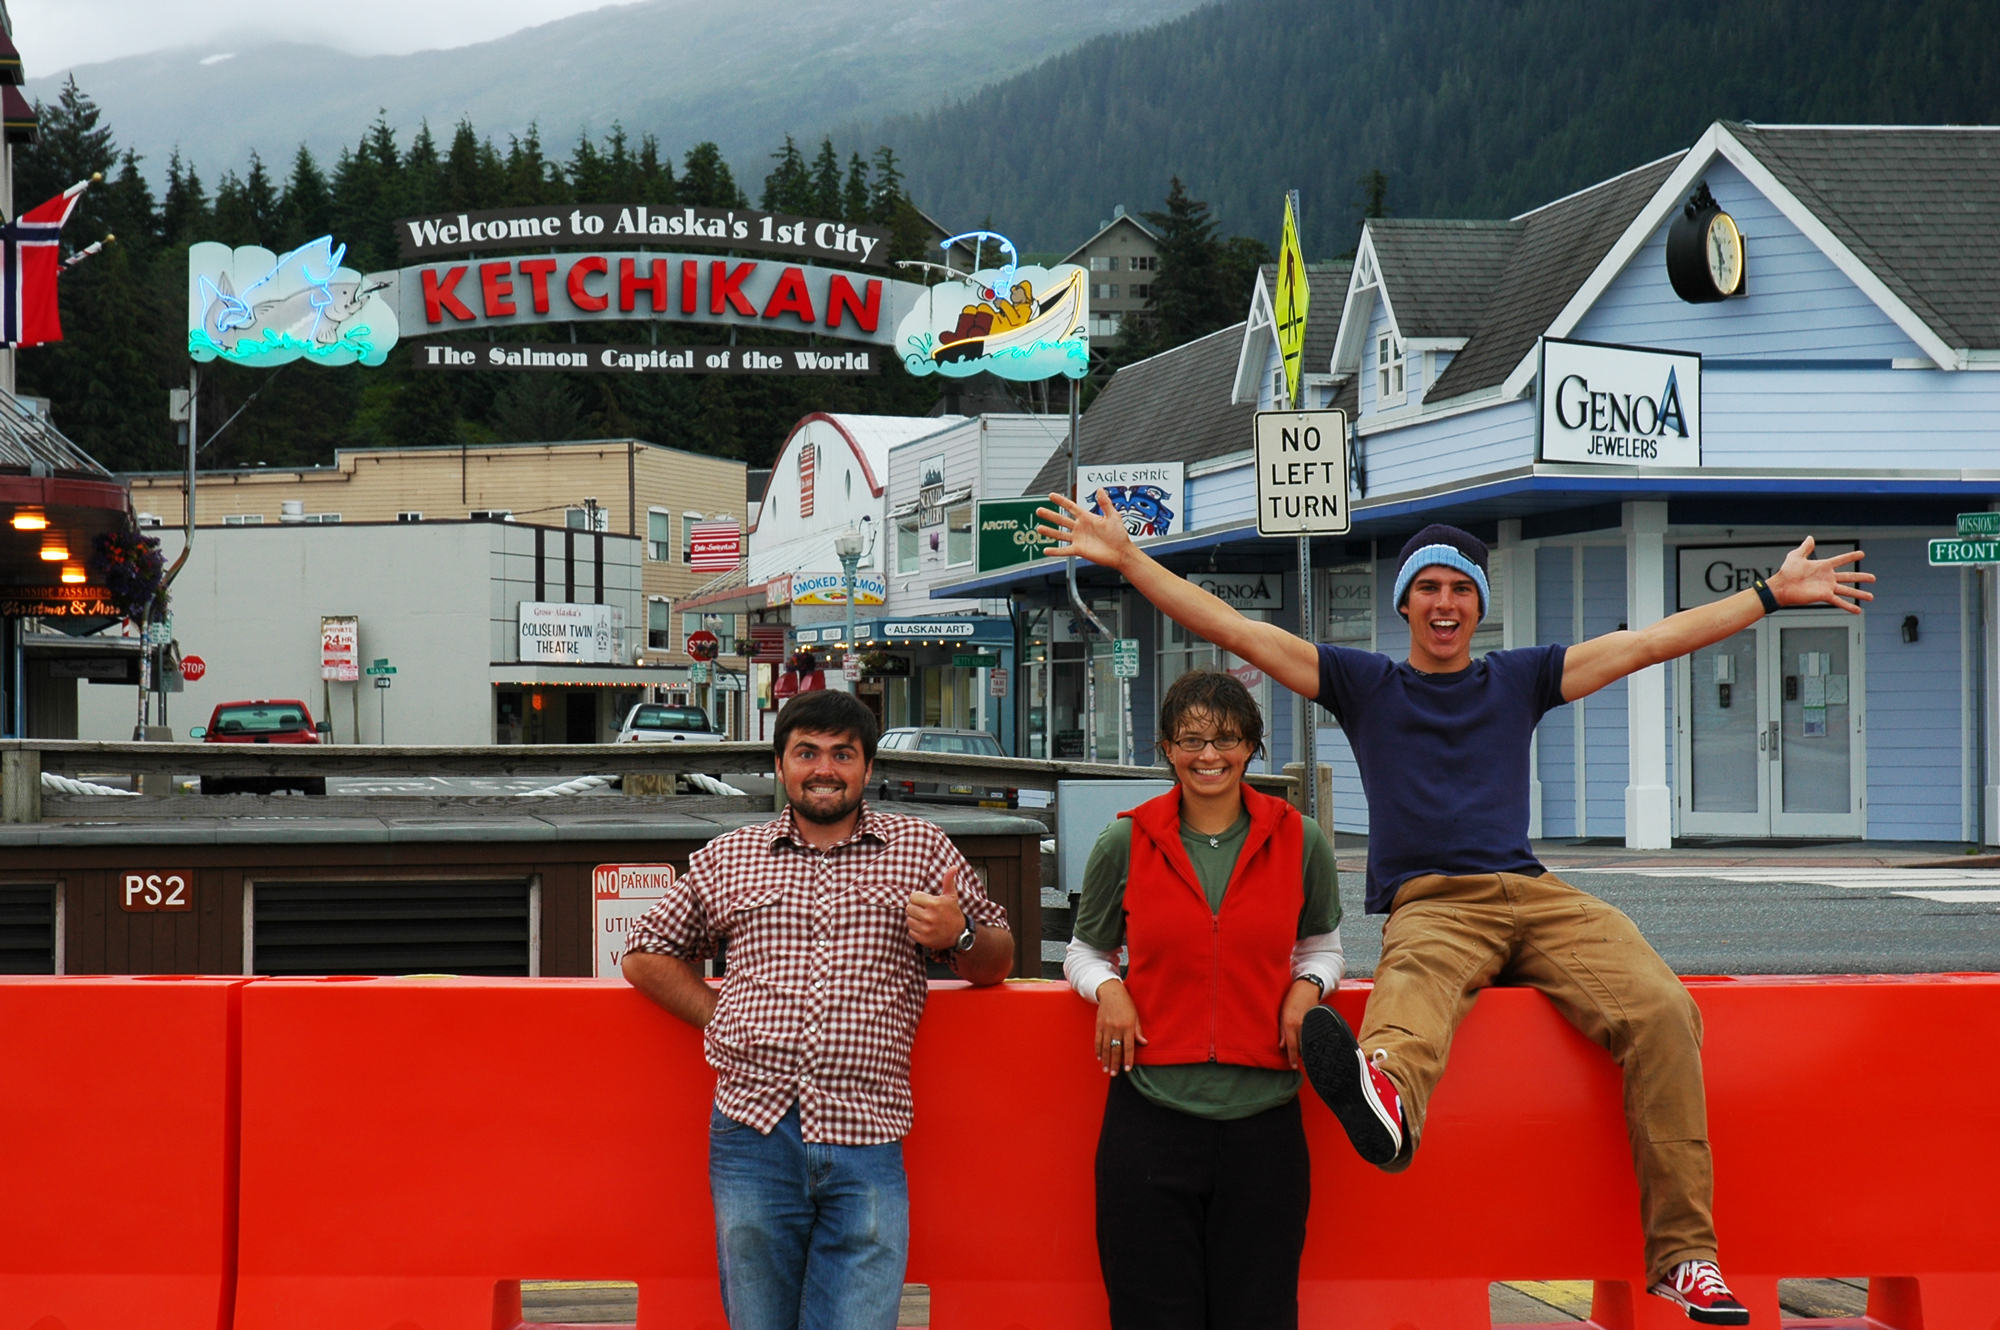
936 919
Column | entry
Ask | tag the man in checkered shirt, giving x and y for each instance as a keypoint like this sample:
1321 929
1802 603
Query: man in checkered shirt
829 912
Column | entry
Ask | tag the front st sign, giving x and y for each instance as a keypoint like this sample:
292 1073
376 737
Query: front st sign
1951 553
1302 473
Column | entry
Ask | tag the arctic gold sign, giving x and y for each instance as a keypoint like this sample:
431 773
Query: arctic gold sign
448 233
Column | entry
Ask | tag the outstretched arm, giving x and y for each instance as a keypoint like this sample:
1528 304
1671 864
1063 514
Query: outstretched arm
1803 580
1101 538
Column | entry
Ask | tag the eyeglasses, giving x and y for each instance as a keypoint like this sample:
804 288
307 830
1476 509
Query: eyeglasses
1223 743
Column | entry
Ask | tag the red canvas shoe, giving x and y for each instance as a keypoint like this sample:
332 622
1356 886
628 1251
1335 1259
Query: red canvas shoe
1697 1286
1355 1089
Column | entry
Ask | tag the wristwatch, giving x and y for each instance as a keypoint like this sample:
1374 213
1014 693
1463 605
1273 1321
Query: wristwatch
968 937
1316 982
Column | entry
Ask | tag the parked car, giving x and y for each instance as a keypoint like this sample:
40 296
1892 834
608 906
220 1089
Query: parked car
277 721
975 743
656 722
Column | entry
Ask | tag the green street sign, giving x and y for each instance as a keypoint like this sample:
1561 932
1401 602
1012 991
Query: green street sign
1007 535
1125 658
698 672
1979 524
1949 552
380 668
379 660
977 660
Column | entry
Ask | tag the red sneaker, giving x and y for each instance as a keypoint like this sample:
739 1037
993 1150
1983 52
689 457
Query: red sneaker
1697 1286
1355 1089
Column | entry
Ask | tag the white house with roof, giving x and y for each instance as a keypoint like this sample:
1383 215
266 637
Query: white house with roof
1834 379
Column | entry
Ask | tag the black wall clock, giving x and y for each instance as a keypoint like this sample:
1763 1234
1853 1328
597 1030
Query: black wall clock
1706 260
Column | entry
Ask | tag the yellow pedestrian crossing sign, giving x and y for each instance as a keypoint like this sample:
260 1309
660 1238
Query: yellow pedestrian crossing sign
1289 304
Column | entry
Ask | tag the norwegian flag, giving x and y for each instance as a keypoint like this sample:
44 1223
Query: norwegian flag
30 259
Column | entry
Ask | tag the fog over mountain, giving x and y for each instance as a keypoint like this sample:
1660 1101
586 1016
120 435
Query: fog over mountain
742 73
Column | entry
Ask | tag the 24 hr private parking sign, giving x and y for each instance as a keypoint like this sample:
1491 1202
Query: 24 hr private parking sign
1302 473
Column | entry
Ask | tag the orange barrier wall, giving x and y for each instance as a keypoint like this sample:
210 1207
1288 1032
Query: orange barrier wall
410 1147
117 1152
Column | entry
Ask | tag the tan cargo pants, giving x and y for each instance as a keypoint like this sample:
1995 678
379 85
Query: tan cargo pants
1449 937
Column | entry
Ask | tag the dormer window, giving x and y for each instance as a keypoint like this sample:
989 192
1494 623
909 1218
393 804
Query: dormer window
1389 385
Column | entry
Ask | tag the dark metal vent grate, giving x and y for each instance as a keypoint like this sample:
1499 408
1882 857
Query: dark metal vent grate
391 928
27 929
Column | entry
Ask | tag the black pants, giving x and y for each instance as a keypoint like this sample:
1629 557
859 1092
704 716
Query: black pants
1200 1224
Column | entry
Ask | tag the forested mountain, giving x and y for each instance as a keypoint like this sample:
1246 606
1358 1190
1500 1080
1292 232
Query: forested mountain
741 74
1452 108
1471 108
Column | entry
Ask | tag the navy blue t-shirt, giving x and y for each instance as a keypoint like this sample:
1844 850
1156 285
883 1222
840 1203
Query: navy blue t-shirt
1443 758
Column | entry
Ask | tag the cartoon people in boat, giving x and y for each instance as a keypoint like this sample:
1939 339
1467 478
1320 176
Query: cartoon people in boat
1006 320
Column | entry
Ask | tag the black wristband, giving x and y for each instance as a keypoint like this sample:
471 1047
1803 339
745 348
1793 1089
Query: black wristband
1765 594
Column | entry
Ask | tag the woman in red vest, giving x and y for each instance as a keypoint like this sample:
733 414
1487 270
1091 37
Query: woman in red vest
1228 903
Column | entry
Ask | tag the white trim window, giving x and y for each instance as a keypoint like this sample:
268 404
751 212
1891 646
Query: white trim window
958 534
1390 364
659 535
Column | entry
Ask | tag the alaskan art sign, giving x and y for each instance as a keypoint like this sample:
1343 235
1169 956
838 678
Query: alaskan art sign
249 306
1619 405
1019 322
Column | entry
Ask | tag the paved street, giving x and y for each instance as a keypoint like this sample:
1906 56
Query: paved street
1860 911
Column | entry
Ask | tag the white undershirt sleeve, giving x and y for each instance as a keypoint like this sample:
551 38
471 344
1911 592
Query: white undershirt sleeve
1086 967
1320 956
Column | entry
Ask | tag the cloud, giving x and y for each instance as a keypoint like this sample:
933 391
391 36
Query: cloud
59 34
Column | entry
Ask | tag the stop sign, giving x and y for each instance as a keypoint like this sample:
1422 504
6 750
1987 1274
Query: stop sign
192 668
703 645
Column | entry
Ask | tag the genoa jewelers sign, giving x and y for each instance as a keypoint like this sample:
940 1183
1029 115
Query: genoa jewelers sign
1619 405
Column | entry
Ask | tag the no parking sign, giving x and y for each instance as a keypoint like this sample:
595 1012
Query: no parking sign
620 894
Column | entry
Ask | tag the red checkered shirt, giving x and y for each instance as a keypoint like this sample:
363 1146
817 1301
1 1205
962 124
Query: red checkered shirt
823 989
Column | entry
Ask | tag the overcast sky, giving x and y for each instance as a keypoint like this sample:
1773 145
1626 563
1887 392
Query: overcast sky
56 34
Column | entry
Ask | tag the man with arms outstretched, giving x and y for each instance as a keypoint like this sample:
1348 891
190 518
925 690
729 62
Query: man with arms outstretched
1442 743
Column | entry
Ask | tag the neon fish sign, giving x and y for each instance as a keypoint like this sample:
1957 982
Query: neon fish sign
252 307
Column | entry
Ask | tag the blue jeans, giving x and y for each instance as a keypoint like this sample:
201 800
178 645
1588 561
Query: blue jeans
812 1237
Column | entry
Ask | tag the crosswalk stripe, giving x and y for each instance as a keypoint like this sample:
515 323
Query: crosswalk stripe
1955 897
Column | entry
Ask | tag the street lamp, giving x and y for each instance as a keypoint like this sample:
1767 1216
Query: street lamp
847 545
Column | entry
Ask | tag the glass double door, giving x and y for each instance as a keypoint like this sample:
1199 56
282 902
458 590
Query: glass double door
1770 730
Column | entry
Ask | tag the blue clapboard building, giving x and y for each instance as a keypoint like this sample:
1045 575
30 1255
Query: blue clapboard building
1831 299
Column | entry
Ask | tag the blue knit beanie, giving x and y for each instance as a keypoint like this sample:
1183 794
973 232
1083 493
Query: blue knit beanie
1446 546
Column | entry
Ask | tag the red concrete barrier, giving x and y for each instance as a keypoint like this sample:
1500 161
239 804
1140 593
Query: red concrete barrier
117 1153
411 1148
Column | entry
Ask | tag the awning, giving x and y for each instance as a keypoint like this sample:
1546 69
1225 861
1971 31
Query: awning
551 674
1525 492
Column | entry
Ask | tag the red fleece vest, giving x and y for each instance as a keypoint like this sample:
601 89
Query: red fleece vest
1209 986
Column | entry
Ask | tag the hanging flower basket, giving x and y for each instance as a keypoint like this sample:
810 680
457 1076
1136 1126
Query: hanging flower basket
131 569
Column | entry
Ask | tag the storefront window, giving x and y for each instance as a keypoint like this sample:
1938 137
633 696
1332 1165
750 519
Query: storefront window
1181 651
958 540
1034 682
1346 593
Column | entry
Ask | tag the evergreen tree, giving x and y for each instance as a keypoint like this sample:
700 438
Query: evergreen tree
471 176
887 190
74 146
307 210
654 175
854 195
706 181
1188 298
184 215
422 174
530 177
826 181
789 187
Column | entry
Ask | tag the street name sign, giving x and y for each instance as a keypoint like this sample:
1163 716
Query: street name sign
1946 553
1979 524
1302 473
